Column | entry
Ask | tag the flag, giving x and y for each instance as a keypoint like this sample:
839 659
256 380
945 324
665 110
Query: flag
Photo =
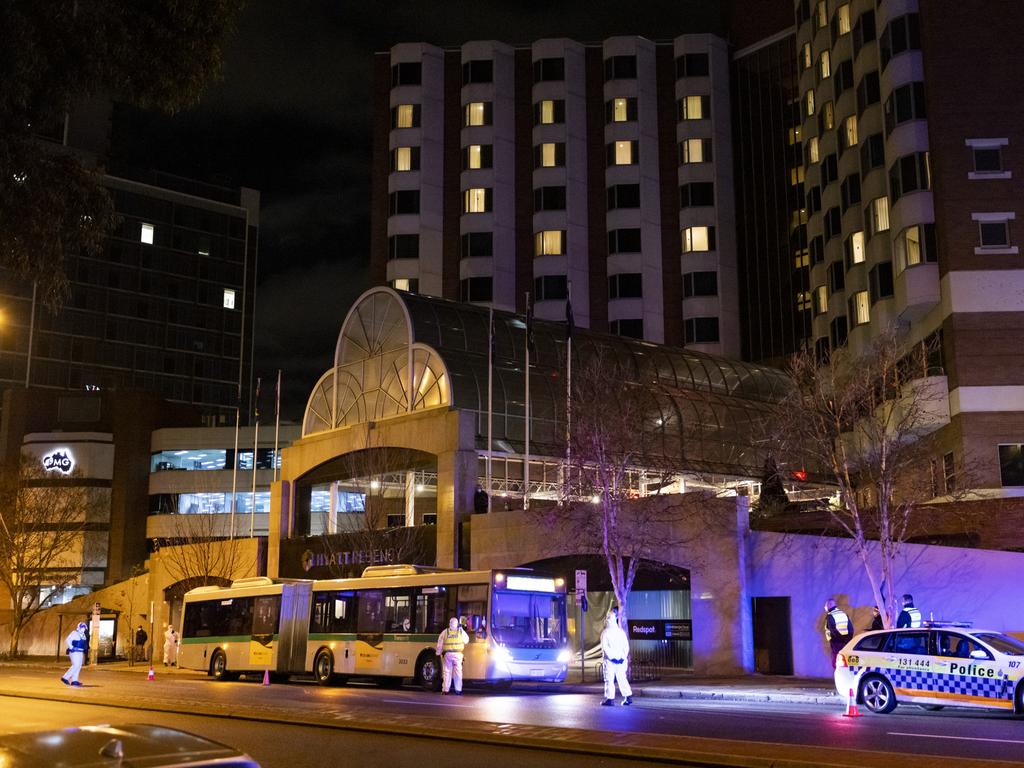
490 335
531 344
277 396
570 323
256 399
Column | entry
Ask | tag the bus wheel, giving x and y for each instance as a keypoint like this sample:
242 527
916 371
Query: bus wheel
428 671
219 666
323 667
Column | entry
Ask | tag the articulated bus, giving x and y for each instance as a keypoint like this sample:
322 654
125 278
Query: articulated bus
383 625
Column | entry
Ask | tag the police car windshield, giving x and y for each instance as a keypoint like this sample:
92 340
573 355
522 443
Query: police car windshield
1002 643
528 620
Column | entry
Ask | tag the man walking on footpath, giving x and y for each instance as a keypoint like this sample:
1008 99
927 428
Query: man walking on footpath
838 628
450 645
76 646
615 647
140 643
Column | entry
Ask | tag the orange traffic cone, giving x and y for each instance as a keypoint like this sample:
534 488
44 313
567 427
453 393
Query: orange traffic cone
266 677
151 676
851 706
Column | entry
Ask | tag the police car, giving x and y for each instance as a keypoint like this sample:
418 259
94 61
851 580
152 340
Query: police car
933 666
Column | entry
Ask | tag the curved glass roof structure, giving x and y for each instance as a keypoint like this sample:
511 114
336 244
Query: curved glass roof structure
399 352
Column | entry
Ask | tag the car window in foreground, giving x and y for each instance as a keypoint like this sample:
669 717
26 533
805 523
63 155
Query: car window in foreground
1002 643
871 642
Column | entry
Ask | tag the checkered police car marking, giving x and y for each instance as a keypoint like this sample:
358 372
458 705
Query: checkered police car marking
922 682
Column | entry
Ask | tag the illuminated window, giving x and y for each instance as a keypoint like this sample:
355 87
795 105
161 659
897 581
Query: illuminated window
860 308
478 113
623 153
842 20
549 112
549 155
405 116
821 300
695 151
620 110
146 235
550 242
796 175
476 200
809 103
803 300
821 14
405 159
698 239
827 118
813 155
694 107
878 215
229 298
477 156
824 65
914 245
793 135
408 284
801 258
854 249
850 131
806 57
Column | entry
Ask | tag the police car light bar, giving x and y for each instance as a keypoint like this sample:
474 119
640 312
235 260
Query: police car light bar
930 624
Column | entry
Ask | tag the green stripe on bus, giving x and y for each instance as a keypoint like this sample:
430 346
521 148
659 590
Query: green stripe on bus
219 639
320 636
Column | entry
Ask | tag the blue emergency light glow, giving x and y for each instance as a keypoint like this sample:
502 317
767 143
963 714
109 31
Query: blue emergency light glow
530 584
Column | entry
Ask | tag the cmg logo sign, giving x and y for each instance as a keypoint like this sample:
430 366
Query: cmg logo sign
60 460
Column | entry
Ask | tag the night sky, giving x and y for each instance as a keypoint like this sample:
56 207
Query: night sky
292 119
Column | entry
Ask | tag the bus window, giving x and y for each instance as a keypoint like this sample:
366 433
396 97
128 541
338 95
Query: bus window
472 606
431 607
398 611
371 612
240 617
529 620
333 612
266 613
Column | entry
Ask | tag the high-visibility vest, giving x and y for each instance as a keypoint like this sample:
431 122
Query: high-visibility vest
915 616
453 642
841 620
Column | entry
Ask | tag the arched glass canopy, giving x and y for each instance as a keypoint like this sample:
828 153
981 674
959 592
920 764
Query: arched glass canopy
707 407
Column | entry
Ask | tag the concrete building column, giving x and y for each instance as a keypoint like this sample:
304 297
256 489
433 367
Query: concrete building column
456 477
279 525
410 499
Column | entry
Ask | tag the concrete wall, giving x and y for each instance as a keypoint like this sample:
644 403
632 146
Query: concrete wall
977 585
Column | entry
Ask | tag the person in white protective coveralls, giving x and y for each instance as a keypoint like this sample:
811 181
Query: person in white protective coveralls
615 647
170 646
76 646
450 645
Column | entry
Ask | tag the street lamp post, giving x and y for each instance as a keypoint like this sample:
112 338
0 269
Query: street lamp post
31 333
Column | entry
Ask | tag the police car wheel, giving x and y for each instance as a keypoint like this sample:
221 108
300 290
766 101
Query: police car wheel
878 695
1019 699
323 668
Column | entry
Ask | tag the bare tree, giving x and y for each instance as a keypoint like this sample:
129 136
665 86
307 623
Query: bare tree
127 601
199 552
864 423
42 539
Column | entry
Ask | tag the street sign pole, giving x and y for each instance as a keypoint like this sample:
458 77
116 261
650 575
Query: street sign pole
94 636
581 598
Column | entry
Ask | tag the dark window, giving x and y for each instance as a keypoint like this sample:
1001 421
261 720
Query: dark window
988 160
634 329
405 116
880 282
803 12
332 612
904 103
909 174
619 67
850 191
620 110
833 223
477 244
909 643
628 285
836 277
837 332
477 156
624 241
994 234
623 196
406 73
863 31
692 65
222 617
475 289
405 159
872 153
700 284
868 92
549 199
902 34
550 155
872 642
548 69
478 71
549 111
697 193
843 78
551 287
813 200
821 349
817 248
404 201
829 169
701 330
404 247
1011 464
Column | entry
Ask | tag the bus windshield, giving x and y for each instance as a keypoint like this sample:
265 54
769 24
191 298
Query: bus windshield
528 619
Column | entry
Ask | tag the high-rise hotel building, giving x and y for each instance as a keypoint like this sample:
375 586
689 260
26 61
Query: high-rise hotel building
501 170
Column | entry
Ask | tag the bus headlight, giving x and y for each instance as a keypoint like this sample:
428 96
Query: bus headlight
565 656
503 655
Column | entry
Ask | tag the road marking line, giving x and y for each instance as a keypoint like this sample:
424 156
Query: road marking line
958 738
427 703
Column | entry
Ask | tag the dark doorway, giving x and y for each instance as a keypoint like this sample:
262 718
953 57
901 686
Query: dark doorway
773 646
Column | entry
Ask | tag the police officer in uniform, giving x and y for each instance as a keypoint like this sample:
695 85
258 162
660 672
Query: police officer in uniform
909 616
450 645
76 646
838 628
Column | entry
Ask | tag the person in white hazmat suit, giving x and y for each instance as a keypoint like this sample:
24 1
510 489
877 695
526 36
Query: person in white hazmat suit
450 645
170 646
76 646
615 647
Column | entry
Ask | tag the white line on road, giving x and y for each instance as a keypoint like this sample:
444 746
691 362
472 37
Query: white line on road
958 738
428 703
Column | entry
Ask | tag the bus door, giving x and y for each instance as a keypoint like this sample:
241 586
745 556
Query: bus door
399 656
266 617
294 627
471 608
369 632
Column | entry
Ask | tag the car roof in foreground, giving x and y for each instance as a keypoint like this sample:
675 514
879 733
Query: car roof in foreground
144 746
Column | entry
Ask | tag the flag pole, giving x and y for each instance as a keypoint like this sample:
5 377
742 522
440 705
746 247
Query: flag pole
490 401
255 447
234 467
277 424
569 323
526 461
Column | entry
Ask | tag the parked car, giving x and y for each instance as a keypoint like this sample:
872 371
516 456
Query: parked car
934 666
103 746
